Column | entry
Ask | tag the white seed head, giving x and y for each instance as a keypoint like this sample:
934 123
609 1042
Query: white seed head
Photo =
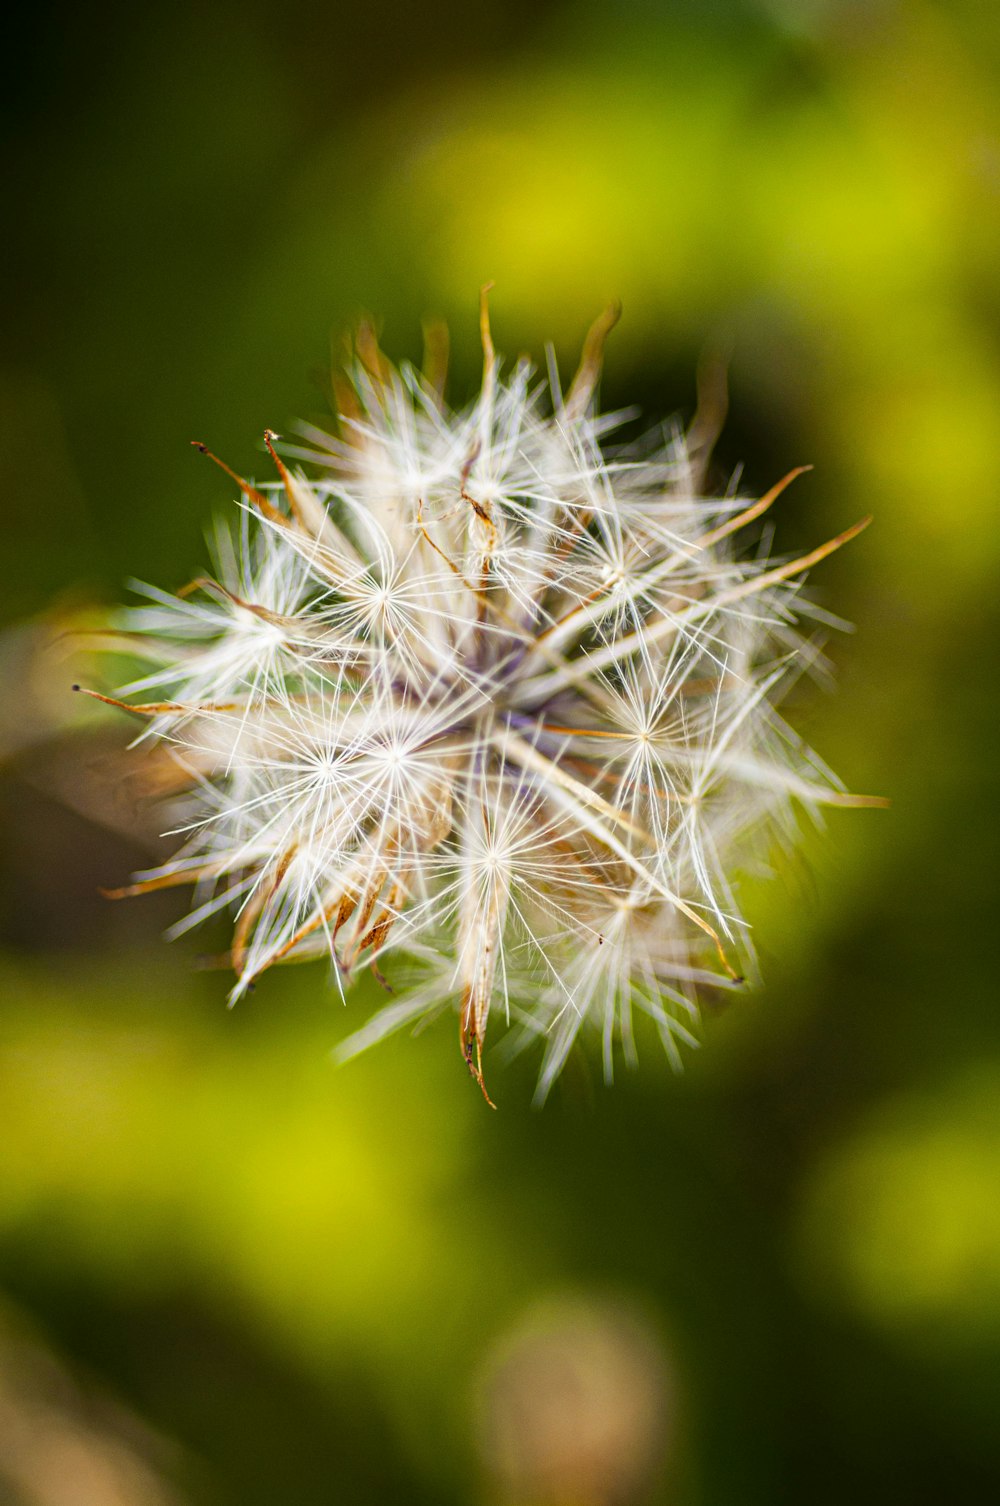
489 705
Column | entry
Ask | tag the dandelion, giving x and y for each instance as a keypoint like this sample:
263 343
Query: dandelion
488 705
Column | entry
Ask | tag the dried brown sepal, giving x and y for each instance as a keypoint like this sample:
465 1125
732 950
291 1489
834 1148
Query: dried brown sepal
712 386
264 506
370 353
157 708
750 514
588 372
437 351
471 1043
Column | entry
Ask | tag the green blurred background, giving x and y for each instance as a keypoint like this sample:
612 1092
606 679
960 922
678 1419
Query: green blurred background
235 1275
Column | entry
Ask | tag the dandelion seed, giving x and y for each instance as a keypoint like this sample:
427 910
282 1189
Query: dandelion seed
488 706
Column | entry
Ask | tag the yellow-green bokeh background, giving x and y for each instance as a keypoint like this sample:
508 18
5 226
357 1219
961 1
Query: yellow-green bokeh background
296 1272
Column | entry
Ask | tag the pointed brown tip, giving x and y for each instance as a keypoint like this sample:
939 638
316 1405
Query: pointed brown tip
202 449
477 1074
591 359
485 333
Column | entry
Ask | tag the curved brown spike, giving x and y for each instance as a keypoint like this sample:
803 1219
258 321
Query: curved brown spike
256 498
250 914
374 938
489 350
345 402
344 907
370 353
287 480
754 510
471 1043
308 512
303 931
348 409
380 977
436 352
437 550
858 802
712 386
245 923
210 587
200 583
804 562
159 881
269 438
153 708
591 361
252 606
216 588
345 398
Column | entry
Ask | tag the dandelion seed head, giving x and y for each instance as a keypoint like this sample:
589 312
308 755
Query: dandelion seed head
489 703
